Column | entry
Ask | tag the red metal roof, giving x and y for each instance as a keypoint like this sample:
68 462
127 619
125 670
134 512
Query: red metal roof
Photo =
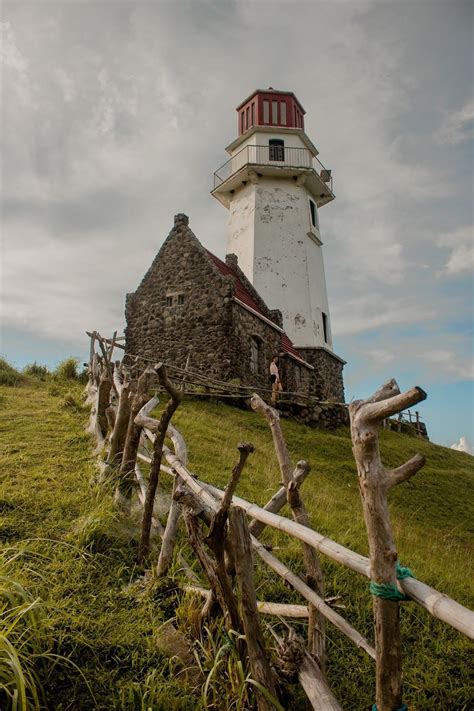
243 295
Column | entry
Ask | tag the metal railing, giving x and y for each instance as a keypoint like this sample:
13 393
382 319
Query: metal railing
280 156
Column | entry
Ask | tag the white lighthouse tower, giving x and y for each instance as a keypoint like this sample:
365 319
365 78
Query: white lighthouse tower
273 186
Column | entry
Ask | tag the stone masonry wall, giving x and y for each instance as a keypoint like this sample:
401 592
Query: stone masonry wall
326 380
183 305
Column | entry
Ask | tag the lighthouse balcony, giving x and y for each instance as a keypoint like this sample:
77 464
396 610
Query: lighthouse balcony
276 161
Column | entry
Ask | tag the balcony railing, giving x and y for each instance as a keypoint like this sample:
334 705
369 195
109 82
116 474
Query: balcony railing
279 156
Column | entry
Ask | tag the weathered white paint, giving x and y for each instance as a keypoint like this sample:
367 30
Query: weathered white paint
269 231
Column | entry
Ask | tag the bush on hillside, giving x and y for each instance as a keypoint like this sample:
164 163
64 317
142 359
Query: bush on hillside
10 375
36 370
67 369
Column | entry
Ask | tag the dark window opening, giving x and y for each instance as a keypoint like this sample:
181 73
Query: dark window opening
276 149
242 122
247 114
169 301
180 299
283 113
325 328
253 114
314 214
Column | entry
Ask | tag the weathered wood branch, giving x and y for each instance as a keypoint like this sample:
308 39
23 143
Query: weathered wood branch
374 483
172 405
405 471
310 677
220 584
259 663
314 573
126 474
279 499
169 537
107 363
308 593
279 609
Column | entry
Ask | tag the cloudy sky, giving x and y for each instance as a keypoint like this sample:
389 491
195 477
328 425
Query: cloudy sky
116 114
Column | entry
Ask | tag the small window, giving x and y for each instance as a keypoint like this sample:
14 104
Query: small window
314 215
325 327
248 117
241 122
276 149
169 301
254 350
274 112
253 114
283 113
180 299
266 112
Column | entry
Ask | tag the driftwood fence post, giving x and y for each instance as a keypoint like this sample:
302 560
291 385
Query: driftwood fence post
375 483
173 403
314 573
126 474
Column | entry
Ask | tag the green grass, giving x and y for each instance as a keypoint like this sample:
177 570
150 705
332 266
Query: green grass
66 545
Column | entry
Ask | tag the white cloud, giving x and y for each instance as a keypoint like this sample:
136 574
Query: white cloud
461 245
463 446
458 126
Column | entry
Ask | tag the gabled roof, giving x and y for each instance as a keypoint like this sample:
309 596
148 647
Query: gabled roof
243 295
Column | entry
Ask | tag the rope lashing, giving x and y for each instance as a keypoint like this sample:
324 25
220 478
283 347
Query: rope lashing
389 591
403 707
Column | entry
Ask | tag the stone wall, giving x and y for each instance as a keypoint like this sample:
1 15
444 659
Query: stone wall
328 417
326 381
183 305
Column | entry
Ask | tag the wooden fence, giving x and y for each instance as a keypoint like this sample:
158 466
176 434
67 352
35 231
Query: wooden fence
224 529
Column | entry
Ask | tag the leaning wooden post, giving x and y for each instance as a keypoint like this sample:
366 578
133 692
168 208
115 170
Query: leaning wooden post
314 573
374 483
259 663
117 438
175 398
126 475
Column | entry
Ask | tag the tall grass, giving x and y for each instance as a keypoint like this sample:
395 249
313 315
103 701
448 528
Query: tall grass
22 641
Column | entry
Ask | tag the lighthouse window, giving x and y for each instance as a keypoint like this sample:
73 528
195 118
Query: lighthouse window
283 113
248 122
276 149
314 215
253 115
325 327
274 112
242 122
266 112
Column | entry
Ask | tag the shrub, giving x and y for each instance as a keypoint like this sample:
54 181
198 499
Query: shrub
36 370
67 369
10 375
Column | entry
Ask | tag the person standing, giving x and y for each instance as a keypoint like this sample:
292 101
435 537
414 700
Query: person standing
275 379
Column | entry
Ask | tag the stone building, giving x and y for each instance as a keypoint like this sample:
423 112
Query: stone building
269 296
191 302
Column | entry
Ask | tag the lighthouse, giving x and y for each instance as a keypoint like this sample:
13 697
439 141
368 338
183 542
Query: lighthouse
273 186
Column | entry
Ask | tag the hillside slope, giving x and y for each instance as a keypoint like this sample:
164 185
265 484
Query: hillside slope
63 541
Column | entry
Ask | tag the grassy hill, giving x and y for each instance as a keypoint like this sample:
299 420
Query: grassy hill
92 640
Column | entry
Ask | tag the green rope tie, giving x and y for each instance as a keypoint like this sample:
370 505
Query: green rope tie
389 591
403 707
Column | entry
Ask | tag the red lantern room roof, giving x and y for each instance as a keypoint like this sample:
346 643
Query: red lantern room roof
270 107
